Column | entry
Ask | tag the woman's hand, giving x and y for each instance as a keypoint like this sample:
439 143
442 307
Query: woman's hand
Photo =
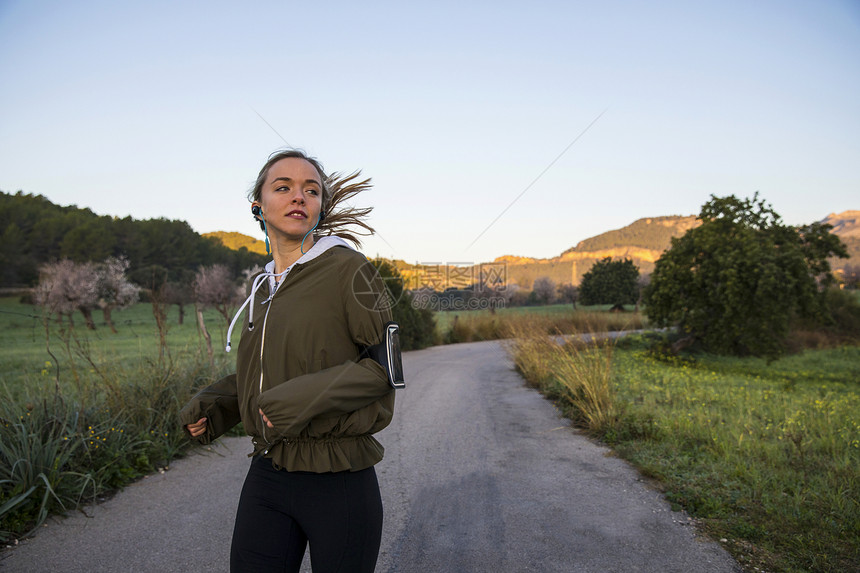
265 419
198 428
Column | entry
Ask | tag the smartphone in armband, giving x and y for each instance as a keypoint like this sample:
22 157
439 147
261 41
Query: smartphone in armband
387 354
395 361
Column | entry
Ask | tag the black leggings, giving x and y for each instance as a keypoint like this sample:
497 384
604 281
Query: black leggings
340 514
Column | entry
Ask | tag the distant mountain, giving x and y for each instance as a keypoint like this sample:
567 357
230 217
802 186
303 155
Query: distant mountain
653 234
236 241
846 225
643 241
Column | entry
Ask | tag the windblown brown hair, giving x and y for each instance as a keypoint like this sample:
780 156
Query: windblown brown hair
340 189
337 188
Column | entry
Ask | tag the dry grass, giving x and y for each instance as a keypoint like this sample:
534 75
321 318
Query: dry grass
578 373
587 377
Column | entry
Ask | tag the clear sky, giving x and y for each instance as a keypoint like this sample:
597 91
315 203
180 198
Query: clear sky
453 108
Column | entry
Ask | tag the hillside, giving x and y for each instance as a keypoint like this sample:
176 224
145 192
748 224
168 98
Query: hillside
35 231
236 241
651 234
845 224
643 241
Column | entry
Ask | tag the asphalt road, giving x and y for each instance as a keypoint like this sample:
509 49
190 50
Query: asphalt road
480 474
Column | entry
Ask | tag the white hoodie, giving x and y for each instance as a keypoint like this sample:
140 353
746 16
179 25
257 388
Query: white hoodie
320 246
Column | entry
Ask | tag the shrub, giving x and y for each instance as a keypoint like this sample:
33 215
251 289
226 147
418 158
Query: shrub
844 311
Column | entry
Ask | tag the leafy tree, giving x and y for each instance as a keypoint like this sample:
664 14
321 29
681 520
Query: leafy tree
736 282
94 240
151 277
47 235
13 255
417 325
609 282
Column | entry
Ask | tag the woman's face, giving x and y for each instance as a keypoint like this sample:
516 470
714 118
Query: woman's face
291 198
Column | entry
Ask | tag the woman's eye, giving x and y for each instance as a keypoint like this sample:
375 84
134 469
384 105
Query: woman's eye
313 192
282 188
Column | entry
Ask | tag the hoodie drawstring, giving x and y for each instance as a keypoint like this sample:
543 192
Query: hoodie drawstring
250 301
318 248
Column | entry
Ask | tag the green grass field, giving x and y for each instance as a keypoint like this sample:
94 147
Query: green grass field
765 455
26 360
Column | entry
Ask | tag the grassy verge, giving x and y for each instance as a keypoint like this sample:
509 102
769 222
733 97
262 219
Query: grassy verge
96 412
766 457
475 325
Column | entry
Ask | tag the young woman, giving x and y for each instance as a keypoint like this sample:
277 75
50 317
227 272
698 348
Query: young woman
307 398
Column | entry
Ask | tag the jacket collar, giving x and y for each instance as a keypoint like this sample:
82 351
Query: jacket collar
321 245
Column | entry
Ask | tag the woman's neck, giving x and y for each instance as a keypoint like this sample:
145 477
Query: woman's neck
285 252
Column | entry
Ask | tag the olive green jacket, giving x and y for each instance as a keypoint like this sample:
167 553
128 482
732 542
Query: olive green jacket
300 364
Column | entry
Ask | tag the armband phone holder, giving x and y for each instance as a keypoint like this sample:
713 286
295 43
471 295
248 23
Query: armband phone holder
387 354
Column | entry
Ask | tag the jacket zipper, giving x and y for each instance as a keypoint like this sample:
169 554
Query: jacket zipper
262 345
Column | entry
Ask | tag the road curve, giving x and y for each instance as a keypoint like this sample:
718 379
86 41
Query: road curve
480 474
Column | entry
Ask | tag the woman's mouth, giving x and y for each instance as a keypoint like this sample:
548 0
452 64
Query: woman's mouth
297 215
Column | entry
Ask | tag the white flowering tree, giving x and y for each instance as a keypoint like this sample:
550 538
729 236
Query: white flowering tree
115 291
215 287
66 286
